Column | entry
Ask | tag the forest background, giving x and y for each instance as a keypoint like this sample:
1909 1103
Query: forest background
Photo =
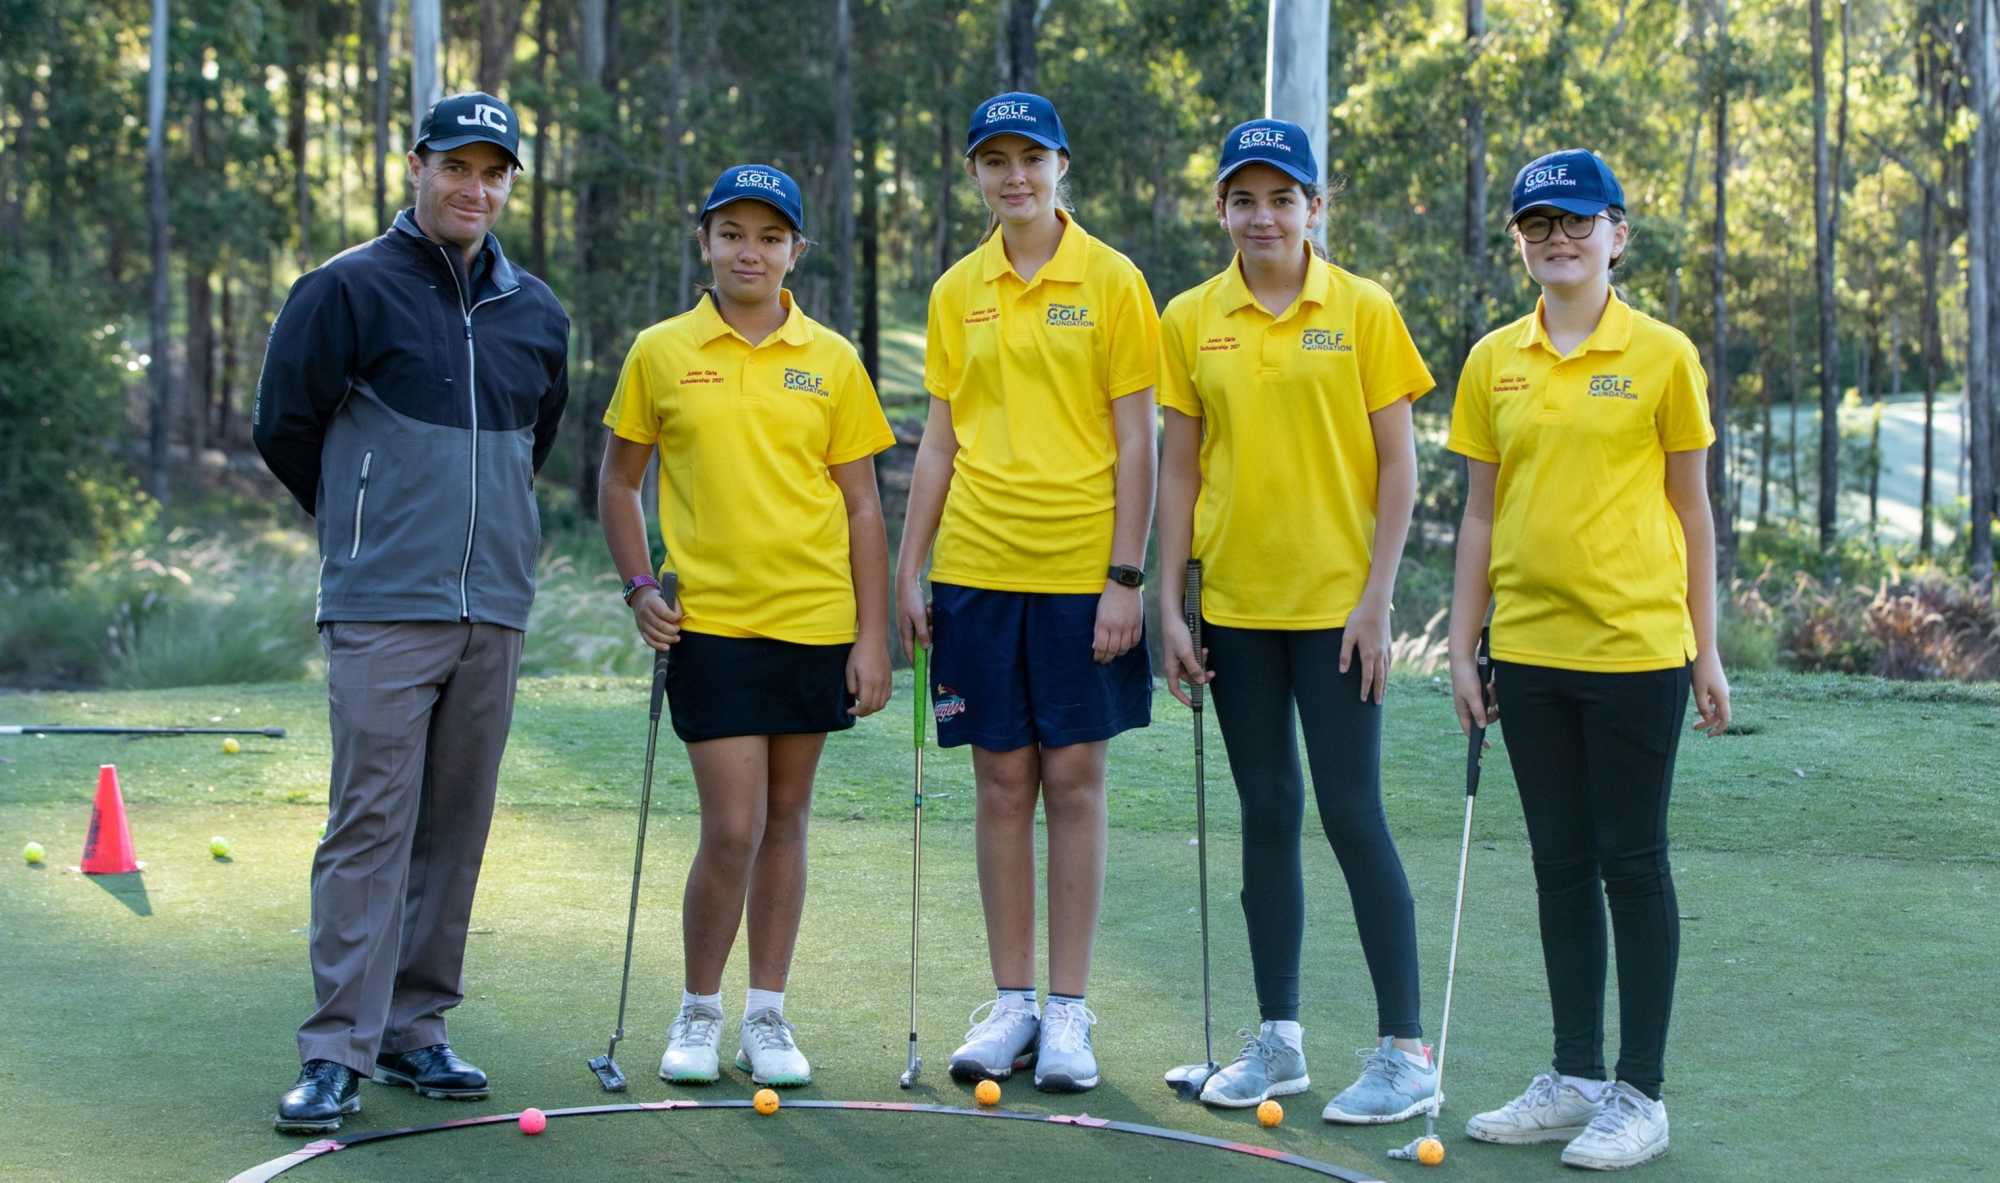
1812 189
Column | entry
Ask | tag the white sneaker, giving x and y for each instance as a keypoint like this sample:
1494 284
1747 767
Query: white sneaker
1630 1129
691 1047
997 1044
1552 1110
769 1053
1066 1063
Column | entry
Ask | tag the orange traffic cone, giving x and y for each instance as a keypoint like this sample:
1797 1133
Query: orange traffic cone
108 850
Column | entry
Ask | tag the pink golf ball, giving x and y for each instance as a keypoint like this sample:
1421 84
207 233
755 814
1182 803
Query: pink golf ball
533 1121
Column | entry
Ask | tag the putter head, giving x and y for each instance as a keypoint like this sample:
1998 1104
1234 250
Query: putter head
608 1073
1186 1080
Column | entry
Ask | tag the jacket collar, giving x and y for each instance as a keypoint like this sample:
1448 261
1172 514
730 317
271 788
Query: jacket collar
709 325
501 274
1066 266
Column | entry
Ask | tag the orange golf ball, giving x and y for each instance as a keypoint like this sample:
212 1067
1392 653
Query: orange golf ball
765 1102
1270 1113
1430 1151
987 1093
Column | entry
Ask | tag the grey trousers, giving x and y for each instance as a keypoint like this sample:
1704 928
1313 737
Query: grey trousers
419 715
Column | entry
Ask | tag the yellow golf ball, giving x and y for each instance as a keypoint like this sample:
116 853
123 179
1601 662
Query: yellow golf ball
34 853
230 747
765 1102
1430 1151
1270 1113
218 846
987 1093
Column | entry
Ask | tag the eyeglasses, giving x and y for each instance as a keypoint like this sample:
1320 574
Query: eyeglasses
1538 227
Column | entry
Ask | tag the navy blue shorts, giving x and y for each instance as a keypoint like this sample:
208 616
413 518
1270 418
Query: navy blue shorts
1010 669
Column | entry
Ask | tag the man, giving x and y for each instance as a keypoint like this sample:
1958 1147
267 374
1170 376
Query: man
411 389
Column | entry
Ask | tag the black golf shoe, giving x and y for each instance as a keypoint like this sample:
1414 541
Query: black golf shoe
434 1071
325 1093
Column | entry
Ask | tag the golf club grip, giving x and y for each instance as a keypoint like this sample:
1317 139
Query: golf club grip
670 586
1476 739
1191 610
920 685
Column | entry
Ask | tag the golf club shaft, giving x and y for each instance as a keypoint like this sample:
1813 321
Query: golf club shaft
54 729
920 691
1191 605
669 586
1475 742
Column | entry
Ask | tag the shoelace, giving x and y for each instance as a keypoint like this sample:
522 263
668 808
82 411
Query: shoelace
1067 1028
1541 1092
696 1027
771 1031
1255 1047
1377 1062
324 1072
997 1019
1616 1110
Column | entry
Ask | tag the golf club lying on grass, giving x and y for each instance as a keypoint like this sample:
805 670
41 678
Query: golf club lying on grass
606 1066
921 690
1427 1149
1187 1079
52 729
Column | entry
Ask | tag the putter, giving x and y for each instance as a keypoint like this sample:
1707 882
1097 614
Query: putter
54 729
1474 742
605 1066
921 687
1188 1078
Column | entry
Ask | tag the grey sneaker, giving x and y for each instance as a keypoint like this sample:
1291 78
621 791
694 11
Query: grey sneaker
692 1044
1552 1110
1066 1063
769 1052
997 1044
1630 1129
1391 1088
1266 1067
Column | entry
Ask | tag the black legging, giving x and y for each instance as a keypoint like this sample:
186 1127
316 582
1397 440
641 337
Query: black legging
1593 755
1259 674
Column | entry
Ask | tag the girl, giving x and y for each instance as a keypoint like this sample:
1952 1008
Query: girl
1585 430
1290 464
1035 478
765 424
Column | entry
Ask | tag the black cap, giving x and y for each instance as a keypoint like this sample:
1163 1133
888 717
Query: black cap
459 119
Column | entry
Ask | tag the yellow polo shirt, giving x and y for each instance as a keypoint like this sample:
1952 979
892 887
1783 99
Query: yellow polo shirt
1285 521
1589 566
754 524
1031 370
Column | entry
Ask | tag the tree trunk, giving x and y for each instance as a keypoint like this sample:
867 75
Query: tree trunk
225 387
1825 219
1295 74
1794 386
948 166
871 258
1021 17
1687 217
384 30
1770 378
1472 324
1932 350
158 367
424 86
296 49
1979 290
1864 381
1722 497
596 218
499 29
842 168
538 216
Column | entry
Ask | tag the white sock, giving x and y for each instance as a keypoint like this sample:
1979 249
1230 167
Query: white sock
1592 1090
1056 1000
1287 1030
709 1000
1019 1000
1421 1057
755 1000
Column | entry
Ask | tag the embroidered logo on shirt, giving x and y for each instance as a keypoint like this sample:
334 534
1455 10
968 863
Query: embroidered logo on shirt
701 378
1325 341
1070 316
1510 383
1220 345
1612 386
949 704
980 316
805 382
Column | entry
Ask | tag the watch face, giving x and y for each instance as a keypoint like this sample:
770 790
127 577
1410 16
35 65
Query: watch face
1128 576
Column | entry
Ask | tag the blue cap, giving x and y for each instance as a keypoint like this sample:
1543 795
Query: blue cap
1016 113
1573 180
457 120
1283 146
759 182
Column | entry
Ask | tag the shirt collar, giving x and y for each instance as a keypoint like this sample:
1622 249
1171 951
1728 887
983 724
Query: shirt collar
499 272
1066 266
1236 294
1612 334
709 325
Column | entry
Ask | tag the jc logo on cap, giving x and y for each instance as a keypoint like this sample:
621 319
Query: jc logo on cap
485 115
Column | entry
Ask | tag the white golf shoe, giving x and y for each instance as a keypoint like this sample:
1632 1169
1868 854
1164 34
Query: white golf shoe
769 1051
1630 1129
1552 1110
998 1044
691 1047
1066 1063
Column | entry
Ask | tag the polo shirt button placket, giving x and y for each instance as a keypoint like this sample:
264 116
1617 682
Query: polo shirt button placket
1268 357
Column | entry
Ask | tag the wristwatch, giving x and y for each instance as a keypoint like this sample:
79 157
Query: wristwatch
1125 576
633 585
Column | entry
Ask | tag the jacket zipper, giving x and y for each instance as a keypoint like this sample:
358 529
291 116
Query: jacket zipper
472 401
360 499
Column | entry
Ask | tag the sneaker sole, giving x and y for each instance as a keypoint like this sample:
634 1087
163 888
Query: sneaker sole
1284 1088
1604 1164
1525 1138
398 1080
347 1109
1342 1117
974 1071
690 1077
776 1082
1066 1084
